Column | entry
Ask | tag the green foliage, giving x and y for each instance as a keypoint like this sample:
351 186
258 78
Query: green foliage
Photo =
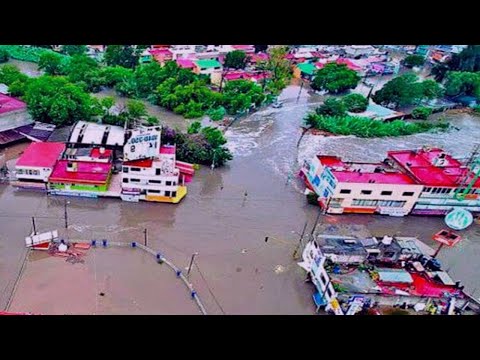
55 100
462 83
355 103
26 52
83 69
117 120
335 78
407 90
18 88
74 49
240 95
10 74
332 107
113 75
4 56
152 121
217 113
136 109
279 68
477 109
122 55
148 77
368 128
236 60
51 63
194 128
421 112
467 60
413 60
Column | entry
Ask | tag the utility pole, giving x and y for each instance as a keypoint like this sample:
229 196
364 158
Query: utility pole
300 92
34 227
145 233
316 222
66 214
191 264
300 240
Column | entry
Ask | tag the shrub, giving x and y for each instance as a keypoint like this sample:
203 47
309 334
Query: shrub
355 103
421 112
3 56
332 107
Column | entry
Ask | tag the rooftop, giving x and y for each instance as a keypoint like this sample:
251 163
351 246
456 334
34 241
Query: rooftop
41 154
350 172
307 68
208 63
432 167
9 104
185 63
97 134
87 172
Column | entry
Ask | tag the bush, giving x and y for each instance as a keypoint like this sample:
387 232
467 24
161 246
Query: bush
421 112
194 128
3 56
477 109
413 60
152 121
26 52
355 103
217 114
332 107
369 128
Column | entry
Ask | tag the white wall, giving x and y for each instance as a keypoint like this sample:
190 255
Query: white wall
43 173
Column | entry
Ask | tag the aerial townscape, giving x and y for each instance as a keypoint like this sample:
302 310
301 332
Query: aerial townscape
240 179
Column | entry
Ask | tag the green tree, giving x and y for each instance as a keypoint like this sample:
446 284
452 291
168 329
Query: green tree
55 100
236 60
467 60
421 112
10 73
4 56
136 109
413 60
51 63
107 103
113 75
278 67
355 103
194 128
462 83
122 55
74 49
335 78
406 90
332 107
148 77
83 69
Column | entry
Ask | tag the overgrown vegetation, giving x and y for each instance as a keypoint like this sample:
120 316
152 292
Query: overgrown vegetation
25 52
459 83
3 56
421 112
413 60
335 78
369 128
355 103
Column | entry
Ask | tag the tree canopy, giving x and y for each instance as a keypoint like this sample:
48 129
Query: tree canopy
74 49
122 55
407 90
462 83
355 103
413 60
51 63
236 60
335 78
4 56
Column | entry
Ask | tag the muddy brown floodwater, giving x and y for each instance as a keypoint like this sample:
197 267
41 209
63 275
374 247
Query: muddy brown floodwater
226 217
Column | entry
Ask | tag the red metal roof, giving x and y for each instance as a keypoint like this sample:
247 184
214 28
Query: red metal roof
87 173
95 153
420 164
345 172
185 63
144 163
168 149
42 154
8 104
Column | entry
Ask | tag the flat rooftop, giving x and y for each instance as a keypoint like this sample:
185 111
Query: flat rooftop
9 104
350 172
421 164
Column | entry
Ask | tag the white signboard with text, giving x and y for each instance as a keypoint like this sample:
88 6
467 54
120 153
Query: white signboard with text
143 144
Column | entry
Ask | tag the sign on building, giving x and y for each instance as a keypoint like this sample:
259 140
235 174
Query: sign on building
144 143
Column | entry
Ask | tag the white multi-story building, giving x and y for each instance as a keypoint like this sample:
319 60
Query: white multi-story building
155 179
181 51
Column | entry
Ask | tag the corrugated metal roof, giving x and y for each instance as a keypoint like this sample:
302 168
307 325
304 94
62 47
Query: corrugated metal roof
394 276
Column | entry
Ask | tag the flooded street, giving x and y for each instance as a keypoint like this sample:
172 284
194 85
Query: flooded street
229 212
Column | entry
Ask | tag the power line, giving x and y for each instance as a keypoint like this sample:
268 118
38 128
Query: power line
209 289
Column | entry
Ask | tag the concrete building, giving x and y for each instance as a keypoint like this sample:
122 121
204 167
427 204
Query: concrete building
367 188
155 179
92 134
38 161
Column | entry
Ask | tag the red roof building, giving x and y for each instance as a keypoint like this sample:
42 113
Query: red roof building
42 154
81 172
9 104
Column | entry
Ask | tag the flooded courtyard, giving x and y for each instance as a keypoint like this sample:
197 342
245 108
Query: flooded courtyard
229 212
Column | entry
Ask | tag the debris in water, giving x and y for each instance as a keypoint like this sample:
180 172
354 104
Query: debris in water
102 294
279 269
244 251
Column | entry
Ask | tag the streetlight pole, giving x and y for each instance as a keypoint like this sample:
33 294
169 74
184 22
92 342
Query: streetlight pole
34 227
191 263
66 214
300 240
145 233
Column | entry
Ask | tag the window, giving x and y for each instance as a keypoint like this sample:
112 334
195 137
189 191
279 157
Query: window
168 183
345 191
427 189
329 292
125 170
19 171
386 193
167 193
408 193
125 180
158 172
174 183
154 191
174 194
366 192
323 279
135 180
155 181
135 169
